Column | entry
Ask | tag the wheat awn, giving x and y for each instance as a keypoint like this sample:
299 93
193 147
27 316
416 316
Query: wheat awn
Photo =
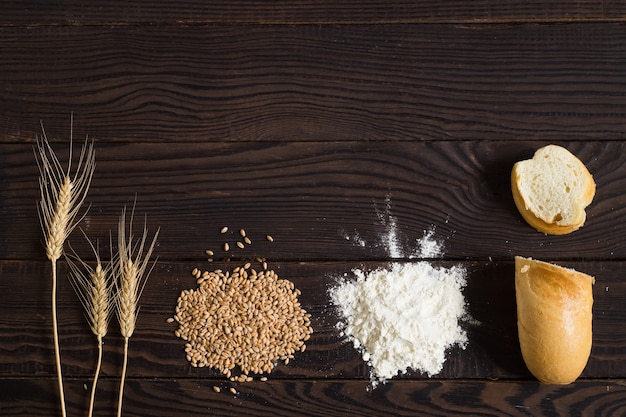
62 194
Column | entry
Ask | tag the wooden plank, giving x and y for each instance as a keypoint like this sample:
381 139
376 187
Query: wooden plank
345 131
219 83
75 12
493 349
184 397
321 201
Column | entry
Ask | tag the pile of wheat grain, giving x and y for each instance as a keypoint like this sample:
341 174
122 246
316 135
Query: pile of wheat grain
241 319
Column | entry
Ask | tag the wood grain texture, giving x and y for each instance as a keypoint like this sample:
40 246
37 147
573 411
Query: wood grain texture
228 83
76 12
334 127
350 196
184 397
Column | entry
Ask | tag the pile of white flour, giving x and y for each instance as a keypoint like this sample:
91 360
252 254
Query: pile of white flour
405 316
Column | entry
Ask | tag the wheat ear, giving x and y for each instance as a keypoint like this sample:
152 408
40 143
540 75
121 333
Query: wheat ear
62 194
132 272
94 289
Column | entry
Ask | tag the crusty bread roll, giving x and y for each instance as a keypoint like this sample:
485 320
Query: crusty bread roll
552 190
553 319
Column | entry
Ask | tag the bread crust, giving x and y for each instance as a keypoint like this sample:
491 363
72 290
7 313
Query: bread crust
541 225
554 319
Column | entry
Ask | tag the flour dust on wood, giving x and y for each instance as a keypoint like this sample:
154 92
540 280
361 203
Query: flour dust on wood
405 316
390 239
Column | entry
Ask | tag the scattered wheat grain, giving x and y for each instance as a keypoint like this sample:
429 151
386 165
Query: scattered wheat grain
224 229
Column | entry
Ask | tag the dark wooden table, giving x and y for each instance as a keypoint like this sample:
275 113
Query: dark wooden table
302 119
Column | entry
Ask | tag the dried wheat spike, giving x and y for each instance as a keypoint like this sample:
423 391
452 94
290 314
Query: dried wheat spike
62 192
94 288
131 271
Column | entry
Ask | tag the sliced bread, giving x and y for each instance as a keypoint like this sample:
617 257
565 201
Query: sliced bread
552 190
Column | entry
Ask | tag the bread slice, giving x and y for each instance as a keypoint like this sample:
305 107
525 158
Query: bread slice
552 190
553 319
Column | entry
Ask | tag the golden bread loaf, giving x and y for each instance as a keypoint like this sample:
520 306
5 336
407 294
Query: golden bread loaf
553 319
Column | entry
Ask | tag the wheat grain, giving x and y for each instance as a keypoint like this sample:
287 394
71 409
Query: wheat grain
240 319
62 195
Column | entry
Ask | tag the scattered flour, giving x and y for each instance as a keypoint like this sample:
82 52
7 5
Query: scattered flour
355 238
390 237
426 247
407 315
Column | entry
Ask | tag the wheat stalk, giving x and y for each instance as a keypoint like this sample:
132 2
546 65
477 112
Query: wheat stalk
94 289
62 194
132 272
